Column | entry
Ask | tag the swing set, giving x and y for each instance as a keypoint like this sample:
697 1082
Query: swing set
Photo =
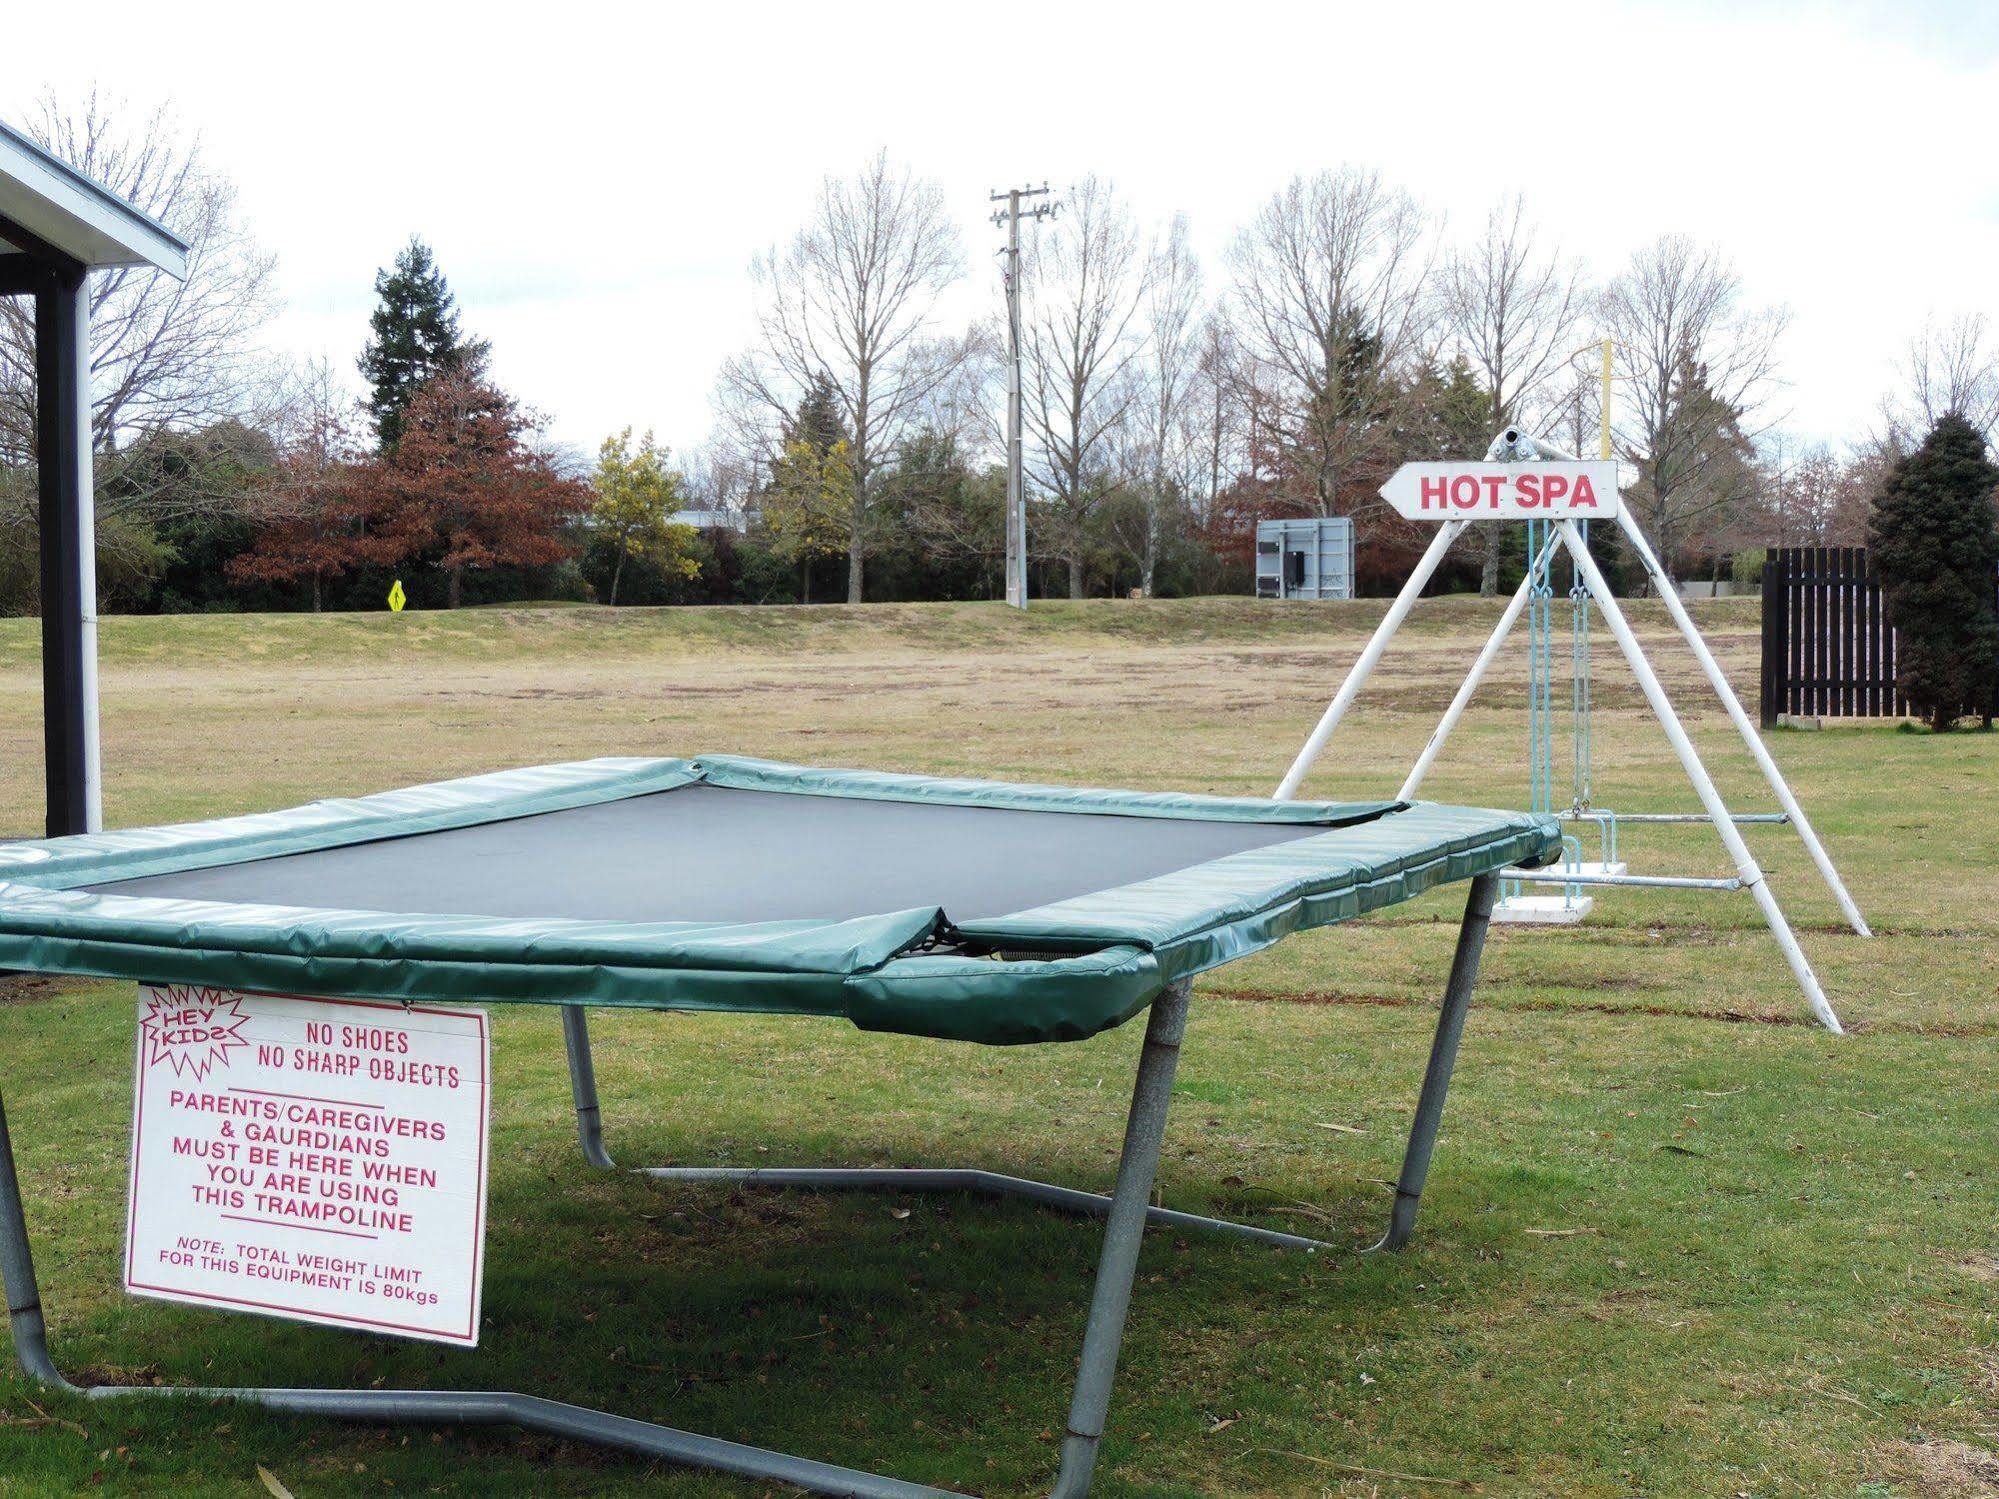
1527 480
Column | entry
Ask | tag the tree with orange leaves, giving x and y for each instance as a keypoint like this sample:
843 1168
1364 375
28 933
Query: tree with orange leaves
465 489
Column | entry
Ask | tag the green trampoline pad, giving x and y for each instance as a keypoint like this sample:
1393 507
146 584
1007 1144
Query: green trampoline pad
970 910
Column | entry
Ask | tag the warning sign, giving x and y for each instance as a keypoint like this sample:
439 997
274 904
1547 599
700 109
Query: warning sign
319 1159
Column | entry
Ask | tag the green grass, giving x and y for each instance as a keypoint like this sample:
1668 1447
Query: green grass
1675 1241
555 630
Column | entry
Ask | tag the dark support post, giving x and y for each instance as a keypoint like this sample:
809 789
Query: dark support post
1771 697
1145 1132
583 1086
68 551
1443 1057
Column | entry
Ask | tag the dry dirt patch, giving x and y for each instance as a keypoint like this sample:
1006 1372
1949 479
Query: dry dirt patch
1942 1470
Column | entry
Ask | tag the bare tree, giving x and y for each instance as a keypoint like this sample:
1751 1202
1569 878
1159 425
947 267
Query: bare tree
1221 436
1167 429
1948 367
164 354
1811 496
1328 312
853 300
1084 280
1513 311
722 477
1698 367
307 505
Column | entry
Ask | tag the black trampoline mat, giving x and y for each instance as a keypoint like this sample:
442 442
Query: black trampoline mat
719 854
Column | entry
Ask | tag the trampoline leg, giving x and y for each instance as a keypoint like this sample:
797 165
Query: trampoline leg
425 1407
583 1086
1124 1231
1443 1057
17 1269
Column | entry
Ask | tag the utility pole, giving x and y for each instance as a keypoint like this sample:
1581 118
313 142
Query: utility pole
1016 504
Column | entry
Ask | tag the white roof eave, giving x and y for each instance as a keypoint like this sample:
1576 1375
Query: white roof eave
83 219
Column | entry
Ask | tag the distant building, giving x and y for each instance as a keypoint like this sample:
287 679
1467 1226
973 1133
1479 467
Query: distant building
1305 559
710 520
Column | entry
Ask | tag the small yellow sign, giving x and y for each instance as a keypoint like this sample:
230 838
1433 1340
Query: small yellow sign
397 598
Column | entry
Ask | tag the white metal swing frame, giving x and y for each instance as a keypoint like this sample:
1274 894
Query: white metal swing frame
1749 874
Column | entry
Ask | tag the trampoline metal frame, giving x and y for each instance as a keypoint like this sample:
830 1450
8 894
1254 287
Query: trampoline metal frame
1126 1213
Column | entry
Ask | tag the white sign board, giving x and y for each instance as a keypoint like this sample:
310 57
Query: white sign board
318 1159
1504 491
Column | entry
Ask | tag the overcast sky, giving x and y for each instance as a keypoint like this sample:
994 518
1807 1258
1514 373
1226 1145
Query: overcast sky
595 178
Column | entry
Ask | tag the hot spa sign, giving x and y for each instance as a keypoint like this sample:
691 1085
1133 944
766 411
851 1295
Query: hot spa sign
1504 491
318 1159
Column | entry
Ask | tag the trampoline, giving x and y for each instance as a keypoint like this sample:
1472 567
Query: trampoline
968 911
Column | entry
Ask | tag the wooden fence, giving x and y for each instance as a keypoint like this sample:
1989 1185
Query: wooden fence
1828 651
1827 648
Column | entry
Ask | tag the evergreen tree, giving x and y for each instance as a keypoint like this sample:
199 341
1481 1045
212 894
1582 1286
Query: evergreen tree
1935 541
818 422
413 335
937 529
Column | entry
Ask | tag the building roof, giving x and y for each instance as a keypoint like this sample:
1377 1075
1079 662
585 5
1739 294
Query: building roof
62 208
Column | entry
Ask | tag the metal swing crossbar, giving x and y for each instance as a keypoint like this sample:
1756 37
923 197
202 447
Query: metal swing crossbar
1571 878
1739 818
1565 534
1126 1213
1555 875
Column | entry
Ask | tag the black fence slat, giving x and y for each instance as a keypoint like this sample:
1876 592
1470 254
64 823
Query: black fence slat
1815 638
1880 700
1837 601
1848 621
1870 655
1800 635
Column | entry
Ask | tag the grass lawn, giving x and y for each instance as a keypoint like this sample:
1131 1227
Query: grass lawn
1677 1241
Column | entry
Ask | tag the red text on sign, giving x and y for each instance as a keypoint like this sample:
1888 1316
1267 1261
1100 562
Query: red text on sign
1494 492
